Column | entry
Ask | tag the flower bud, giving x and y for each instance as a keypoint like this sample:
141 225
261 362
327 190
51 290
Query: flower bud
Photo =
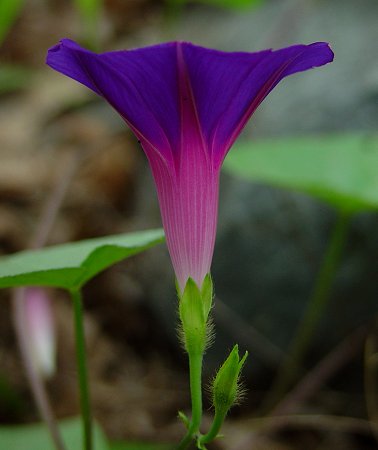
39 325
226 386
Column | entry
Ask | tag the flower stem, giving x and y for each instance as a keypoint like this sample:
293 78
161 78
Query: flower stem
214 429
195 369
314 311
82 369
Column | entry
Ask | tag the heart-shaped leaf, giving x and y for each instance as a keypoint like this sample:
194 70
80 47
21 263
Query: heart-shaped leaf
339 169
71 265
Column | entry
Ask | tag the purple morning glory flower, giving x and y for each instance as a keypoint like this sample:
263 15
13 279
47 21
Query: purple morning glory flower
186 105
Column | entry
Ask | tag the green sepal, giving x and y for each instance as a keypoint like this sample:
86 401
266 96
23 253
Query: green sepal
225 385
193 319
207 295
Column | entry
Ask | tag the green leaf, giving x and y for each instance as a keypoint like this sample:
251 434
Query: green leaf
36 437
70 266
9 11
138 446
341 170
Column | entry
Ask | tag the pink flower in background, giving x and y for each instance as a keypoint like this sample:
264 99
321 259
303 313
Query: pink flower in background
186 105
39 326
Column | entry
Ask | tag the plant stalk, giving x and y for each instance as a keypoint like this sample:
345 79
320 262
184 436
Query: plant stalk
195 369
214 429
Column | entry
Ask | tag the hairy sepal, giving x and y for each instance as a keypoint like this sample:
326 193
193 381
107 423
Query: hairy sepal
194 309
